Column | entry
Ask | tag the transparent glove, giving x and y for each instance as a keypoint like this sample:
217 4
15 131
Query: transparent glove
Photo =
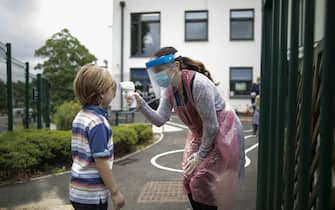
133 97
191 164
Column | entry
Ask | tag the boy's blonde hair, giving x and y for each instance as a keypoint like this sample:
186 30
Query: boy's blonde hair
91 82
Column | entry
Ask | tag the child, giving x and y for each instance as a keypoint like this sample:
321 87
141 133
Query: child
255 117
92 146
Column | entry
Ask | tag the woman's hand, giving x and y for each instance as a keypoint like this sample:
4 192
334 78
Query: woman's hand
135 96
192 163
118 200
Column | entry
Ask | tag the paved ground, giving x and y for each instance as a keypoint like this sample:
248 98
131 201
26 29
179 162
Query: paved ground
17 122
144 185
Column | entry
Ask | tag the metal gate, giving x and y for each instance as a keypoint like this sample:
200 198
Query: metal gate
296 144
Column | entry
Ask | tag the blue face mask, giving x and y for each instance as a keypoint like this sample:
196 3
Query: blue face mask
162 79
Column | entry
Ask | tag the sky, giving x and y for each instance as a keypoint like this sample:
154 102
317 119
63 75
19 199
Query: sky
27 24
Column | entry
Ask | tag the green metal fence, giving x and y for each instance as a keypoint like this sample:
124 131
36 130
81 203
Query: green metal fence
296 144
20 104
3 92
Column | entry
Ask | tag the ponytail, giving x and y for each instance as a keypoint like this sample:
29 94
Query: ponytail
190 64
186 62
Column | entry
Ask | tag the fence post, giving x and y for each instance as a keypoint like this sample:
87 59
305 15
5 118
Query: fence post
26 101
292 107
263 152
306 108
273 105
327 123
9 86
38 101
46 110
117 118
281 105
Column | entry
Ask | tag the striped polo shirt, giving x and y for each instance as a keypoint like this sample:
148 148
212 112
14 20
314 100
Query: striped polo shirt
91 138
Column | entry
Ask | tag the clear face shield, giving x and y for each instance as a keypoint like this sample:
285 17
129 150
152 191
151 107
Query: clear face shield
157 71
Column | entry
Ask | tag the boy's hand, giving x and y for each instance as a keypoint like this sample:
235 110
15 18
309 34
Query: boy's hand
106 174
118 200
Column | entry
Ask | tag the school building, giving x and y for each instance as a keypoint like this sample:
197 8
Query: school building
224 35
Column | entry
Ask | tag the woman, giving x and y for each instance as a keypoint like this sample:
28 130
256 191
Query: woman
214 150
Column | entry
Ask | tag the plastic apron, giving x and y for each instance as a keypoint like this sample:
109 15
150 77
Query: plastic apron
214 182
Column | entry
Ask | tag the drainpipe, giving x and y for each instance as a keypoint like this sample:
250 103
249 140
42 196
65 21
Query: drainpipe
122 5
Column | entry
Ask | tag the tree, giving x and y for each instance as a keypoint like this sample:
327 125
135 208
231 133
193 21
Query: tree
63 54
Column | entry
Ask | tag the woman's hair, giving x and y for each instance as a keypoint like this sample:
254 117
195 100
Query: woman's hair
91 82
186 62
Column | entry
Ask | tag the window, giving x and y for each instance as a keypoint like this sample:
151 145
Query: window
242 24
145 34
196 26
240 81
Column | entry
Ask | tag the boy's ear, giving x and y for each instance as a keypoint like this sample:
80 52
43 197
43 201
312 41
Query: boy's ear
100 99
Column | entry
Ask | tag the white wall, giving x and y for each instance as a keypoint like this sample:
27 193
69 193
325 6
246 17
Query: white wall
218 54
319 21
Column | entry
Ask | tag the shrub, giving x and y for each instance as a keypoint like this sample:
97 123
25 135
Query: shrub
65 114
146 134
143 131
124 139
27 152
124 134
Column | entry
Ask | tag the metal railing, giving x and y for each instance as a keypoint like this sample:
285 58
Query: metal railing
20 105
296 145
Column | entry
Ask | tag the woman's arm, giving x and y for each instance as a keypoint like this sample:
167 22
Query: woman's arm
204 99
157 117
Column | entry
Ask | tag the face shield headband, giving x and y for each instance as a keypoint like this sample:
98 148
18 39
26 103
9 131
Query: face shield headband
159 61
159 79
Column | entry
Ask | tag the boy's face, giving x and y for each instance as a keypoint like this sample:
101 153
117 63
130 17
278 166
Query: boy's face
108 97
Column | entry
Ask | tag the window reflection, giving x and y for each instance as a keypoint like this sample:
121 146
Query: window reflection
145 33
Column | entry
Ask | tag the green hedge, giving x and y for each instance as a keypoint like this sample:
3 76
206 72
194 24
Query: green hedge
124 140
27 152
127 136
65 114
143 131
